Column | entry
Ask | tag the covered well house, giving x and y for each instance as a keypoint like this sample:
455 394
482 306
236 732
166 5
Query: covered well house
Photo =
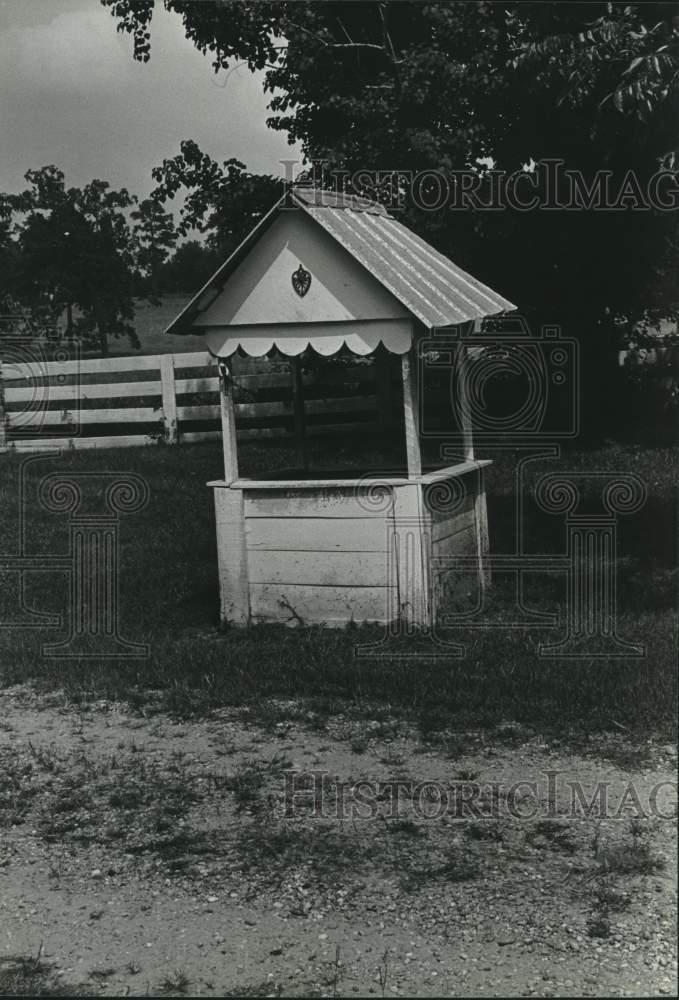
324 272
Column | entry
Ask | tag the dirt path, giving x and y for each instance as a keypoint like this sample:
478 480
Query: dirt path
140 855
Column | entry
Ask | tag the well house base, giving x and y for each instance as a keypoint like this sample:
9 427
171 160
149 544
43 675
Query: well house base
332 551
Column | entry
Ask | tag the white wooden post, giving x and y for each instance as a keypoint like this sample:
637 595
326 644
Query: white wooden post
411 412
234 590
169 399
228 423
480 505
412 532
482 539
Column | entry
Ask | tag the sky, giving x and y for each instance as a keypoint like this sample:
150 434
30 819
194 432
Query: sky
71 94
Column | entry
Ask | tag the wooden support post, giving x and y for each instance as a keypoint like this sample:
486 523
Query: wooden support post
169 399
384 388
228 423
411 412
234 591
465 414
481 522
412 535
480 506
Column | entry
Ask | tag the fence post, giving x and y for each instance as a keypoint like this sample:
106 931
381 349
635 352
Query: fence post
3 418
169 399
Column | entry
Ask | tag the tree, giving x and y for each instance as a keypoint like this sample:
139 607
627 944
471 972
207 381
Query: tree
395 57
481 87
9 253
628 56
155 236
189 267
222 201
73 253
384 86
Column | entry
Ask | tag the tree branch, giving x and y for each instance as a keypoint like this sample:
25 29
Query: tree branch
391 56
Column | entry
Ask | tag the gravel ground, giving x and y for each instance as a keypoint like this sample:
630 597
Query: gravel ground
221 857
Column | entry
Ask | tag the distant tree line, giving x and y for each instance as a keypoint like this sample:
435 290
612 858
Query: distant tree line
387 85
73 260
382 86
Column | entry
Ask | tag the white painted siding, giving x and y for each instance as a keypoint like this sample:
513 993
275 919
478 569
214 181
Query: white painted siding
260 289
319 552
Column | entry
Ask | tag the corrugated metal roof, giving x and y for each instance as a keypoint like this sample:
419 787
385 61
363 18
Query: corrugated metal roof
430 286
433 289
336 199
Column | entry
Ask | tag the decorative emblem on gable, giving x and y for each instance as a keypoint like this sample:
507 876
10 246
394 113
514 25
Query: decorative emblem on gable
301 281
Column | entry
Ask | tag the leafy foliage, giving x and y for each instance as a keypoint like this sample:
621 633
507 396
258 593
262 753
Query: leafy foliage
224 201
71 250
628 56
155 236
189 267
385 86
396 65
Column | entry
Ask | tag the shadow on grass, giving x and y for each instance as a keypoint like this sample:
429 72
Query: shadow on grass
502 677
169 599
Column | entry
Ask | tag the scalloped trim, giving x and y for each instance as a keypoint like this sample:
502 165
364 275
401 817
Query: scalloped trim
258 347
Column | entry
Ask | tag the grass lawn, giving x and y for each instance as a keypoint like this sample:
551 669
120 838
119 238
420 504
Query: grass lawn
169 599
150 322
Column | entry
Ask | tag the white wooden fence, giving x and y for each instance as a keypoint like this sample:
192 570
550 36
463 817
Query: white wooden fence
118 402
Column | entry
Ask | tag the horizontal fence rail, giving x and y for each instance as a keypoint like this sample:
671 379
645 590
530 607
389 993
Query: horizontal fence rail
171 398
